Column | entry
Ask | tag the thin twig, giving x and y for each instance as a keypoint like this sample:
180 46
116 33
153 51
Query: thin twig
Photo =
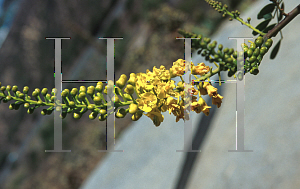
290 16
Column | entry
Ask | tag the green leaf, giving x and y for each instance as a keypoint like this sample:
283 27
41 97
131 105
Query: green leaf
261 26
266 10
281 15
269 28
275 50
267 16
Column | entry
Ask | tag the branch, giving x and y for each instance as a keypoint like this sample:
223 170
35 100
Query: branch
290 16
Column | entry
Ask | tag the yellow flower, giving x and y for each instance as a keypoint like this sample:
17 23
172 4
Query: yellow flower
161 73
165 89
200 106
217 100
173 107
156 116
205 110
180 115
147 101
193 91
201 69
178 67
179 62
177 70
207 88
211 90
145 82
196 107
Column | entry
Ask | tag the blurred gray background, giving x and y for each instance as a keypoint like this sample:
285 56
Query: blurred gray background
149 159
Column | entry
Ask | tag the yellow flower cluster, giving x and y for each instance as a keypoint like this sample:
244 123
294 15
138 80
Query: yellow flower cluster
157 93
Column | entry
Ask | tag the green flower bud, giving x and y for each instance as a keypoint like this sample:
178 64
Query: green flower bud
25 90
44 112
123 76
74 91
259 41
64 93
30 110
133 75
207 40
82 95
102 117
67 91
235 54
44 91
129 89
48 96
91 106
34 94
91 88
90 92
229 60
99 87
14 88
82 89
133 108
39 102
54 92
93 115
132 81
37 90
11 106
63 115
102 111
3 88
8 98
58 108
254 71
121 113
270 41
8 87
256 52
268 44
77 115
26 105
252 59
203 45
127 96
97 100
72 104
249 52
53 98
226 50
121 83
253 46
263 50
116 99
137 115
230 51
